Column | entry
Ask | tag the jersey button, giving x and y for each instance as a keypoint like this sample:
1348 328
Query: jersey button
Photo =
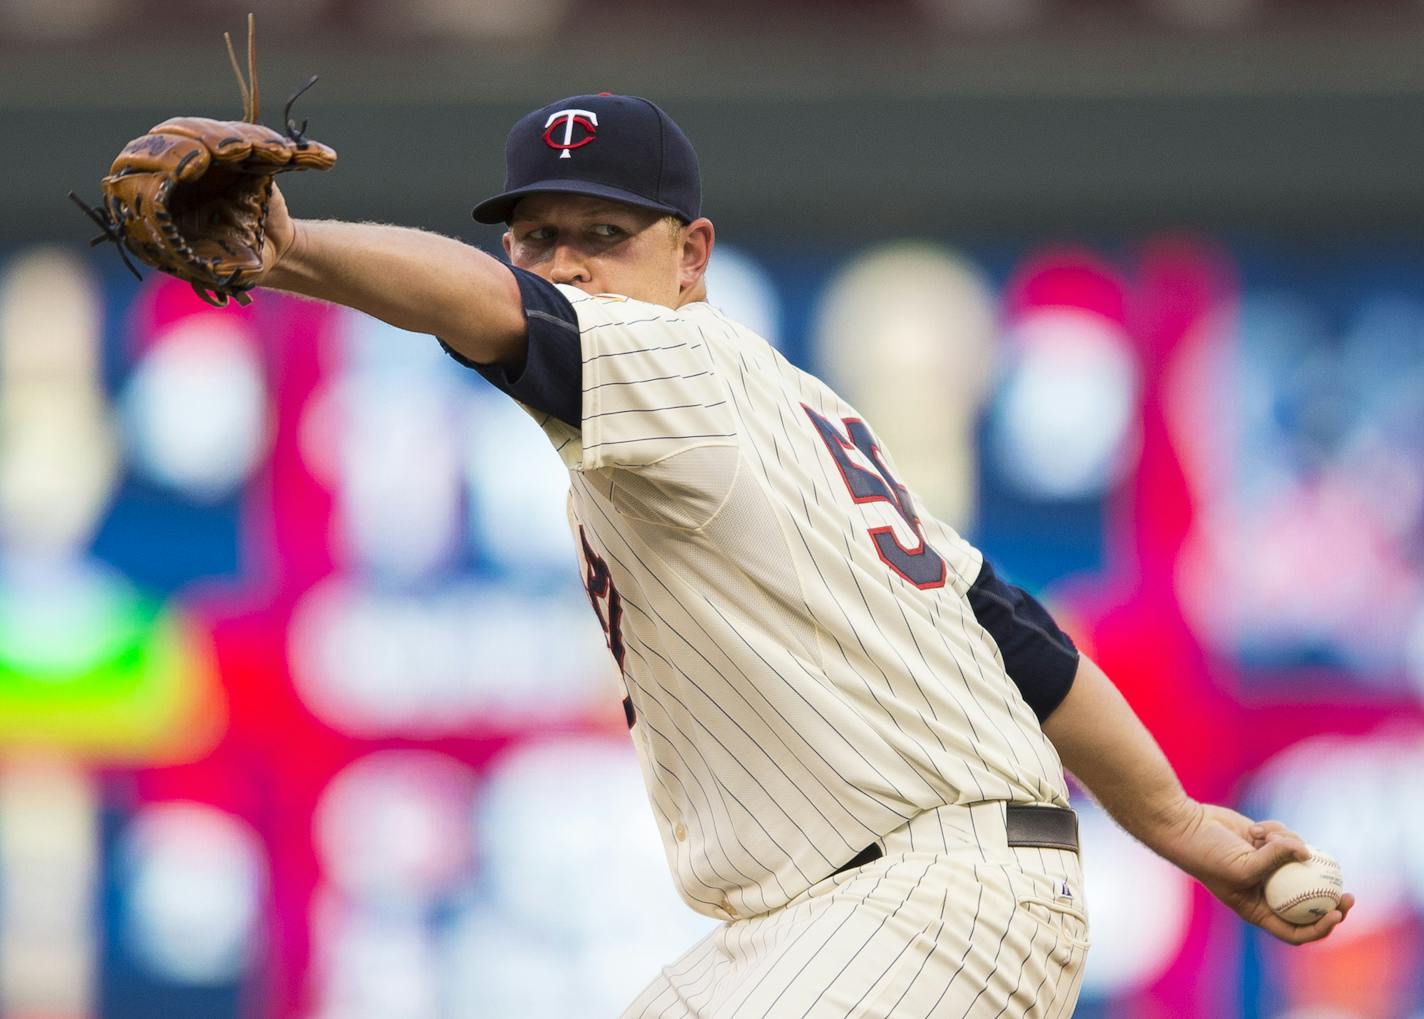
679 832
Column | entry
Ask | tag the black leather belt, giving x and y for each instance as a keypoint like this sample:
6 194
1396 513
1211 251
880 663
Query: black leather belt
860 859
1032 825
1040 826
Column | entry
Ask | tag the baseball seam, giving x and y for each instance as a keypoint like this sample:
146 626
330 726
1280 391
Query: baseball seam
1330 891
1300 897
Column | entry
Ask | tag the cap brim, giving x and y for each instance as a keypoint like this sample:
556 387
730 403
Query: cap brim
499 208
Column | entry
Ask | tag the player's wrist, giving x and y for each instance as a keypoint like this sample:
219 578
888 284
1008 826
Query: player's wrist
1171 825
288 258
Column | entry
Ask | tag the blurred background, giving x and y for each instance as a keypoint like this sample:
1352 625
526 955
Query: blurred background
302 709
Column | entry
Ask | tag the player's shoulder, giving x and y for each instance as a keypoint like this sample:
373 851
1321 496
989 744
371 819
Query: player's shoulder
721 329
616 307
577 296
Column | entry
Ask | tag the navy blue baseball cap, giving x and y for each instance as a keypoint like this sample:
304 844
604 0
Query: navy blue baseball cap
621 148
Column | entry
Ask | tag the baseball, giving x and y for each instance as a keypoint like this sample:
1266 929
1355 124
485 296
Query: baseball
1301 892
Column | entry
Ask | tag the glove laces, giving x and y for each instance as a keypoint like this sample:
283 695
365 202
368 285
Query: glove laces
110 220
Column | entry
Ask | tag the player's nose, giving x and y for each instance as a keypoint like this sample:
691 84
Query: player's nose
569 265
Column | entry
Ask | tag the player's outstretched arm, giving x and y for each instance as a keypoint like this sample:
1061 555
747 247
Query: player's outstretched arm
1105 746
410 278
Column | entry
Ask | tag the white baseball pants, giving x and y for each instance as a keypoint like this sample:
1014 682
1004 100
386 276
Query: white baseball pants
950 923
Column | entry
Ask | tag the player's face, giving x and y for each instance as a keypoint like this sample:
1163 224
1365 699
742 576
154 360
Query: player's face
604 247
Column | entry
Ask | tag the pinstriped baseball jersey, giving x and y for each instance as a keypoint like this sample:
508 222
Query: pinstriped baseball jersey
803 667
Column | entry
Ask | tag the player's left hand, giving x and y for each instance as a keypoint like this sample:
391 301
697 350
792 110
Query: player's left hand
1233 855
197 197
194 198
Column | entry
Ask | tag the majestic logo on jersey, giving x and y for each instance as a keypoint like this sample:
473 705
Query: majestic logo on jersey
920 565
585 120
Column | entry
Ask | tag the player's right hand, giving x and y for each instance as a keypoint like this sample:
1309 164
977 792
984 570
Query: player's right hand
1233 855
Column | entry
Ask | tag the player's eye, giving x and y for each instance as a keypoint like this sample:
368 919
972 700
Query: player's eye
607 230
539 235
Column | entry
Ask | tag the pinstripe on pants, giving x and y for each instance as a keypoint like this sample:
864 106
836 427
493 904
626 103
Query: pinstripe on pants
951 922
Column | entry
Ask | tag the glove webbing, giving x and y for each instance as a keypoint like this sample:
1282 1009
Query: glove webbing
107 220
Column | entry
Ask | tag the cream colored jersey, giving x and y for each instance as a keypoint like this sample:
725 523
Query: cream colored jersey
804 672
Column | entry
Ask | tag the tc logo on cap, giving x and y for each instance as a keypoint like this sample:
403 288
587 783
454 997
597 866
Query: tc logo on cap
586 119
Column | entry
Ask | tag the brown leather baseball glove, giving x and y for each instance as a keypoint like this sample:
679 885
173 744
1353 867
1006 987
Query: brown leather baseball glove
191 196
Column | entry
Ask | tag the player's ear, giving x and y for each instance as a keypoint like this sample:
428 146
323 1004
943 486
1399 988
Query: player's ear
508 241
698 238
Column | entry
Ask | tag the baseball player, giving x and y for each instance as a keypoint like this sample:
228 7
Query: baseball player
853 733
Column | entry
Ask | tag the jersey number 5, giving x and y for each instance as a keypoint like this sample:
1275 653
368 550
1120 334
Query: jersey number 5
921 565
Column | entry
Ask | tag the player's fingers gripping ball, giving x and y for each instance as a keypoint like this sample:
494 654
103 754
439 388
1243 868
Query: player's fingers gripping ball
192 196
1303 891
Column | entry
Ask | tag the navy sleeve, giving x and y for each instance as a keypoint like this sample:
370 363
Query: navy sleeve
1039 657
551 377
